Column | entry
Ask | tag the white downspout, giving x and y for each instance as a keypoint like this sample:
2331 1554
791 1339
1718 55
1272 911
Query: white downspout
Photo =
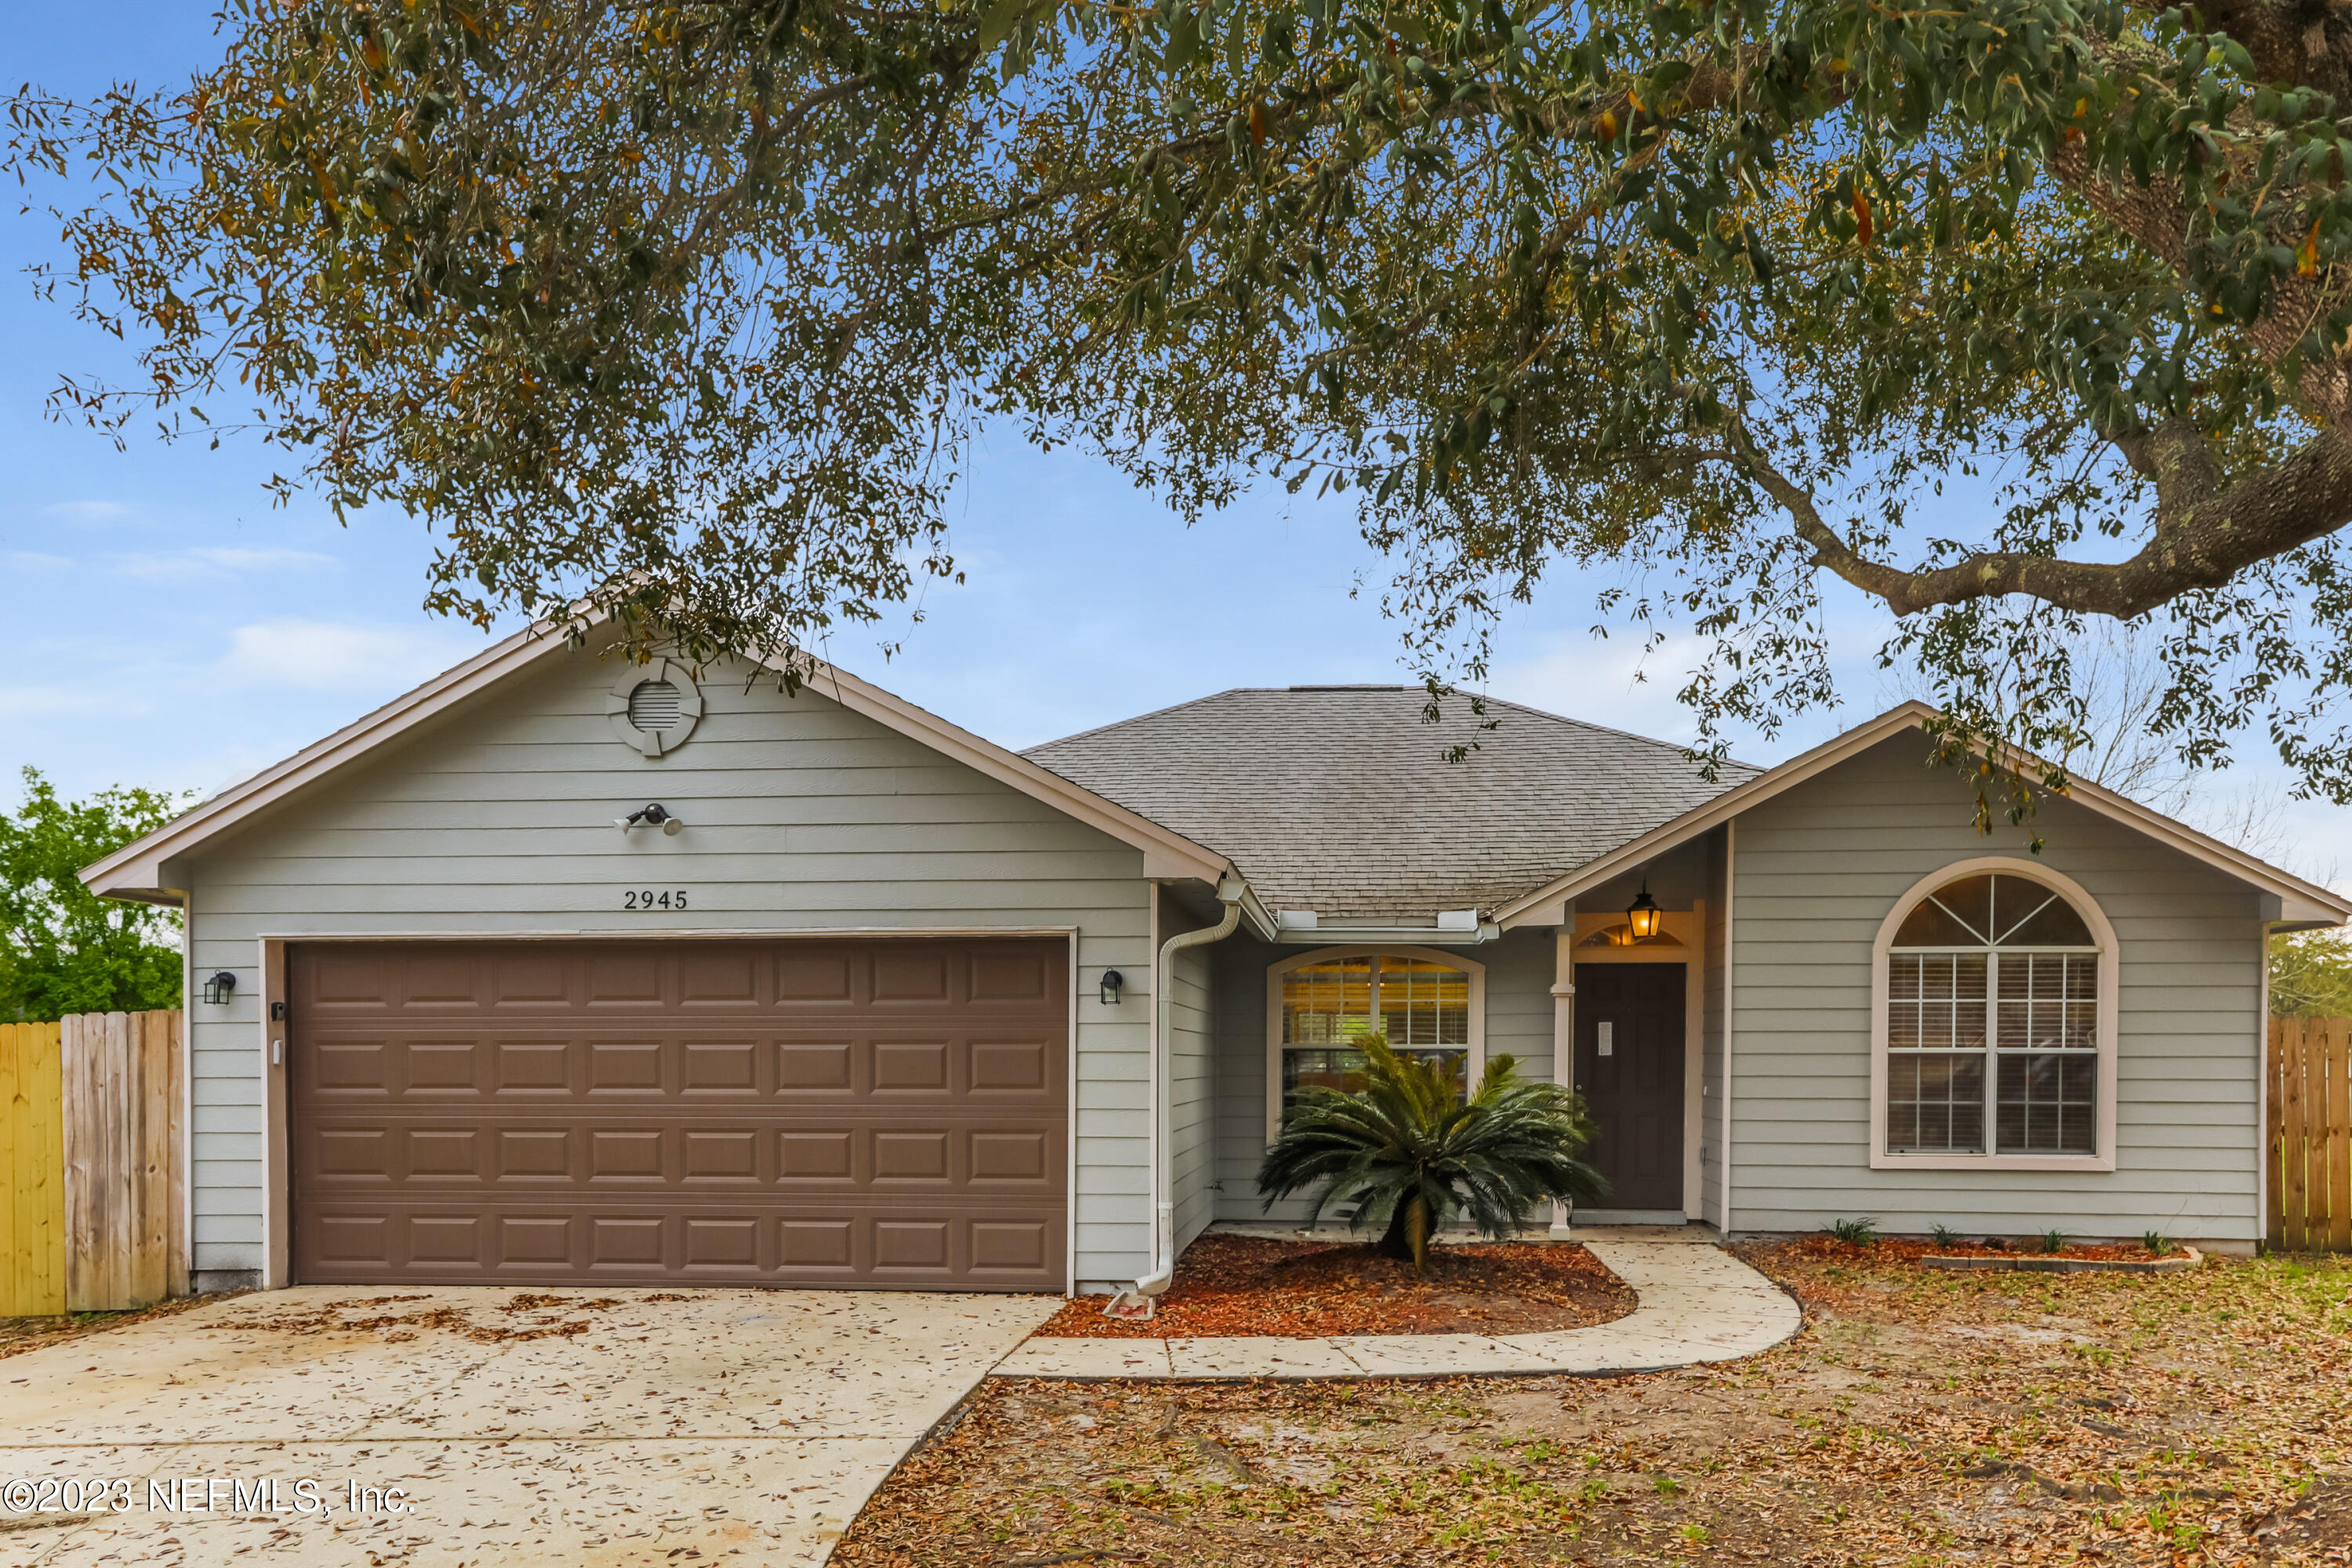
1163 1204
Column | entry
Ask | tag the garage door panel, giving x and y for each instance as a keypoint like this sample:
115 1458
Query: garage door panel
911 977
632 1113
533 1154
714 1068
1027 978
528 977
623 977
912 1066
806 1067
1008 1250
531 1067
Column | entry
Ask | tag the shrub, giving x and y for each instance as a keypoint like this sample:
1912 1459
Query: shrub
2156 1241
1410 1152
2051 1241
1945 1236
1861 1232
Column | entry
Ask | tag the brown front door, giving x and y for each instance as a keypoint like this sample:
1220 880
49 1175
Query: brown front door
1629 1068
871 1113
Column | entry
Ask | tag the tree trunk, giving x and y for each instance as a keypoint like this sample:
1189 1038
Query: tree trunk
1407 1236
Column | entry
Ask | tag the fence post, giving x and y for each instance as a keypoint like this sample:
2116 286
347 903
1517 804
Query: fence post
124 1244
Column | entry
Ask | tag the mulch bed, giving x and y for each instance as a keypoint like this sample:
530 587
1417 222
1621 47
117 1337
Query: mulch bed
1901 1249
1232 1285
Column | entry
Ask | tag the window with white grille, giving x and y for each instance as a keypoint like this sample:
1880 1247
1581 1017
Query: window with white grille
1992 1026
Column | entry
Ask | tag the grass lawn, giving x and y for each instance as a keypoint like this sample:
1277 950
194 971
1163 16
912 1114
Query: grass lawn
1921 1418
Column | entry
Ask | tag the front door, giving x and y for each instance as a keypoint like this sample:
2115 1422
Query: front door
1629 1068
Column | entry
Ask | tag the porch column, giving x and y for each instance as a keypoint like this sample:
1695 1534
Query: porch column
1563 1029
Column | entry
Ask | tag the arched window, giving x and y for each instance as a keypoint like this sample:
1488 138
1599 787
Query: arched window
1428 1003
1995 1022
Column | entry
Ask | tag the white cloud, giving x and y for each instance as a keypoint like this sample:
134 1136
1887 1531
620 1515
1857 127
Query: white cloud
328 656
1601 681
30 701
88 510
33 561
218 561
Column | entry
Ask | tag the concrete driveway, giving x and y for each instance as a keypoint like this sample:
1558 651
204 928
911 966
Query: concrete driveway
330 1426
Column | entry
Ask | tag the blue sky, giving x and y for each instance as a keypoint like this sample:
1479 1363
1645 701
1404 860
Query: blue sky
170 627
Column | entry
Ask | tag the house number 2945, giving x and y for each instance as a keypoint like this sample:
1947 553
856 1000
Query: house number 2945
646 899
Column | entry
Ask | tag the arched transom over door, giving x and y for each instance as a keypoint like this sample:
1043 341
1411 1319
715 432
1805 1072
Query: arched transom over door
871 1113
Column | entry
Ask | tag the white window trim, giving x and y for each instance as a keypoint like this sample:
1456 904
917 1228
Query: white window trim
1470 966
2110 1007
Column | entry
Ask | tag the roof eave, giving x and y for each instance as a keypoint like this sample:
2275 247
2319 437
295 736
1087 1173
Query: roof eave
136 871
2300 902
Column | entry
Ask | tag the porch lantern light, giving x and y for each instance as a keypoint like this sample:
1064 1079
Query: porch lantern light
217 986
1642 914
1111 981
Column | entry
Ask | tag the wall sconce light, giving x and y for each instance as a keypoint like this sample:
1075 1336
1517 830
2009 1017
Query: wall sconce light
1643 914
1111 981
654 816
217 986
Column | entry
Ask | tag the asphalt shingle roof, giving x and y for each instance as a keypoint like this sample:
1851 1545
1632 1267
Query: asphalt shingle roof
1340 799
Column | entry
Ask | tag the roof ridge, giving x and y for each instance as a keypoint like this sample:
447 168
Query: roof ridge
1140 718
1679 750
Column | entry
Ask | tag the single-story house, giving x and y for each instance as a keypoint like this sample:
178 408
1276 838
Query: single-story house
563 969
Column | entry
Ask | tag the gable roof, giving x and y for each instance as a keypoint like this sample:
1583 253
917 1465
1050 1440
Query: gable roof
1339 799
2299 902
137 870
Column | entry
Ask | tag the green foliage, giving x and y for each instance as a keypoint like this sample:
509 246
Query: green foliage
1945 1235
1410 1152
2156 1241
62 948
1860 1232
2311 976
694 309
2051 1241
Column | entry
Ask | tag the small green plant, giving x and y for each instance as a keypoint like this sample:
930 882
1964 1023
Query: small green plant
1411 1151
2051 1241
1696 1534
1665 1486
2156 1241
1859 1232
1945 1236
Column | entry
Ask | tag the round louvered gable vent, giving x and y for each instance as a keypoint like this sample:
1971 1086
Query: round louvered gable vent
654 705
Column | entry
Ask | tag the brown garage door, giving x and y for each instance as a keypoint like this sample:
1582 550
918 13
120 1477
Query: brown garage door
886 1113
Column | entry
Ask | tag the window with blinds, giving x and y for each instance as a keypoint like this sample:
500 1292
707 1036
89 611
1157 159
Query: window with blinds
1421 1005
1992 1016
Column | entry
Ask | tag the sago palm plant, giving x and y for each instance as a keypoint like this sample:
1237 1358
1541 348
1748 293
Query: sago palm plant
1411 1151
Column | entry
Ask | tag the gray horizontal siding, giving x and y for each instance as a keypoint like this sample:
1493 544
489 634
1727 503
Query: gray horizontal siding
801 815
1819 867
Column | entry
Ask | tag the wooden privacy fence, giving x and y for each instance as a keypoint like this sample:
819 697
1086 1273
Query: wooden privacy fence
33 1163
90 1146
2310 1134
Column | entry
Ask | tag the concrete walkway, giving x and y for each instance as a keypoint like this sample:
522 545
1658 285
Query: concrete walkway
428 1428
1698 1303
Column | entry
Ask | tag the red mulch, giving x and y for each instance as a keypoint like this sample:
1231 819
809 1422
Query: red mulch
1902 1249
1256 1285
